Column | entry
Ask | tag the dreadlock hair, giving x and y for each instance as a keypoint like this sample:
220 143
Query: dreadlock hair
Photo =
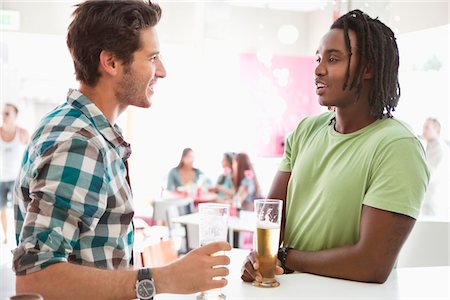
378 49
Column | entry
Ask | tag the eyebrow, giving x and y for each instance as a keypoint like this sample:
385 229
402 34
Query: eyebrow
153 54
331 51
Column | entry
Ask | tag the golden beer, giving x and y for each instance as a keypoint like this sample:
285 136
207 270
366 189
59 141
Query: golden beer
267 236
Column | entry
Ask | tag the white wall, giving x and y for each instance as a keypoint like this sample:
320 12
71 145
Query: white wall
200 104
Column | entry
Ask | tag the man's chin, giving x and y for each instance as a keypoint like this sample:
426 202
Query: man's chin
323 103
144 104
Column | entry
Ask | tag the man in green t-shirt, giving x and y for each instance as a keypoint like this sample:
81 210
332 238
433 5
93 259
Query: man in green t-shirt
352 180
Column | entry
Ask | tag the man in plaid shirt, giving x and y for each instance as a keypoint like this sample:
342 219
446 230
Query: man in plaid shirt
73 202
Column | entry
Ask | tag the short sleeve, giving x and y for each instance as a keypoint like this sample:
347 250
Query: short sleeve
172 180
286 162
399 178
68 193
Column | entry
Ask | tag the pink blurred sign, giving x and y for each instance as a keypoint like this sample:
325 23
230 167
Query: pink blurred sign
283 93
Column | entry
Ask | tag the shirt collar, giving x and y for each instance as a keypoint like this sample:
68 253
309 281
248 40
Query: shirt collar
112 133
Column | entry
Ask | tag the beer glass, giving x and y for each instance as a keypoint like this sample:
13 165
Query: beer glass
213 227
268 221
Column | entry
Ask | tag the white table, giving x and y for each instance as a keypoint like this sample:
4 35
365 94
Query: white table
404 283
408 283
160 206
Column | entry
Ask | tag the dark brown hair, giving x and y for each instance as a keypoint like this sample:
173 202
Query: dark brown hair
185 153
111 25
15 108
244 164
378 49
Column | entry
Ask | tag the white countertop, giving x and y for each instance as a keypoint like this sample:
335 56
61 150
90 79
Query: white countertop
408 283
405 283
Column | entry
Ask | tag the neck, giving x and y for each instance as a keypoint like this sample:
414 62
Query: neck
102 95
353 117
348 121
10 128
431 141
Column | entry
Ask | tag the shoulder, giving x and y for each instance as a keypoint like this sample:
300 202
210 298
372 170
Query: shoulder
173 171
311 124
394 140
392 132
24 135
66 125
395 129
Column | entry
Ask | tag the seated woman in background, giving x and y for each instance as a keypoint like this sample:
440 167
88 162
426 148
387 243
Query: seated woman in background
224 186
184 176
245 182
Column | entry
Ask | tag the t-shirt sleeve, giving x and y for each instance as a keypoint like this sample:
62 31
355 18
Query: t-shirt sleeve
68 193
399 178
171 180
286 162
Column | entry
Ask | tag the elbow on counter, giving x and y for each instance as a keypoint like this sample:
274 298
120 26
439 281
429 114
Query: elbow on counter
379 274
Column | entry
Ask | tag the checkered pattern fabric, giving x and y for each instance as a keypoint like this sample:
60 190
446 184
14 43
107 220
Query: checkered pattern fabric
72 202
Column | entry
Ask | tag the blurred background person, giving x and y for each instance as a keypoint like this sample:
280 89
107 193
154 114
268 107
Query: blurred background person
185 177
12 144
245 182
224 185
436 202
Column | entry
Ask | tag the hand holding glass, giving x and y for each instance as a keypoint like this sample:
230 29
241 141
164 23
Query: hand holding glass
268 221
213 227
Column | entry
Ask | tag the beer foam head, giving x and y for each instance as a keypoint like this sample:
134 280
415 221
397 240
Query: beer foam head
267 225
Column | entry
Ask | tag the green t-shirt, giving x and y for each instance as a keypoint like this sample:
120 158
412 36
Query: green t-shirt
332 175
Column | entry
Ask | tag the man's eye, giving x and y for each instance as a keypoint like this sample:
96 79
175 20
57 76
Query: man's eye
332 59
154 57
318 60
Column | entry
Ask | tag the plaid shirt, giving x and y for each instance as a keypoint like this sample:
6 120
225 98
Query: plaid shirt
72 202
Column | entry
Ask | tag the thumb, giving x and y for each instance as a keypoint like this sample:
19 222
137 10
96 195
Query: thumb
279 270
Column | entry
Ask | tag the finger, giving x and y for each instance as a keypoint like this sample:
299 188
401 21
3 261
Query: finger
217 283
215 247
247 277
250 277
254 274
279 270
250 268
222 271
221 260
253 260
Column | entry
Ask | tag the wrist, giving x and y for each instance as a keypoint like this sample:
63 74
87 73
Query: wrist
283 257
160 278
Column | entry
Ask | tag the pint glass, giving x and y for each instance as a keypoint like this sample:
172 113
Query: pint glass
213 227
268 221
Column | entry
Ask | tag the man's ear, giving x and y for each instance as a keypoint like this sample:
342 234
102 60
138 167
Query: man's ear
367 72
108 63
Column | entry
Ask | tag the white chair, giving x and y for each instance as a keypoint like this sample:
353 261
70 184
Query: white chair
426 246
180 233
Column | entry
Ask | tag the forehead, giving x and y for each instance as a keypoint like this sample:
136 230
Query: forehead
335 39
8 108
430 123
149 40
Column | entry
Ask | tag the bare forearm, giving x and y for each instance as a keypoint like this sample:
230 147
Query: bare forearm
228 192
192 273
347 262
69 281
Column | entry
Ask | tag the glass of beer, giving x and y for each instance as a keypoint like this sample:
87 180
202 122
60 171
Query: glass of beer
268 221
213 227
